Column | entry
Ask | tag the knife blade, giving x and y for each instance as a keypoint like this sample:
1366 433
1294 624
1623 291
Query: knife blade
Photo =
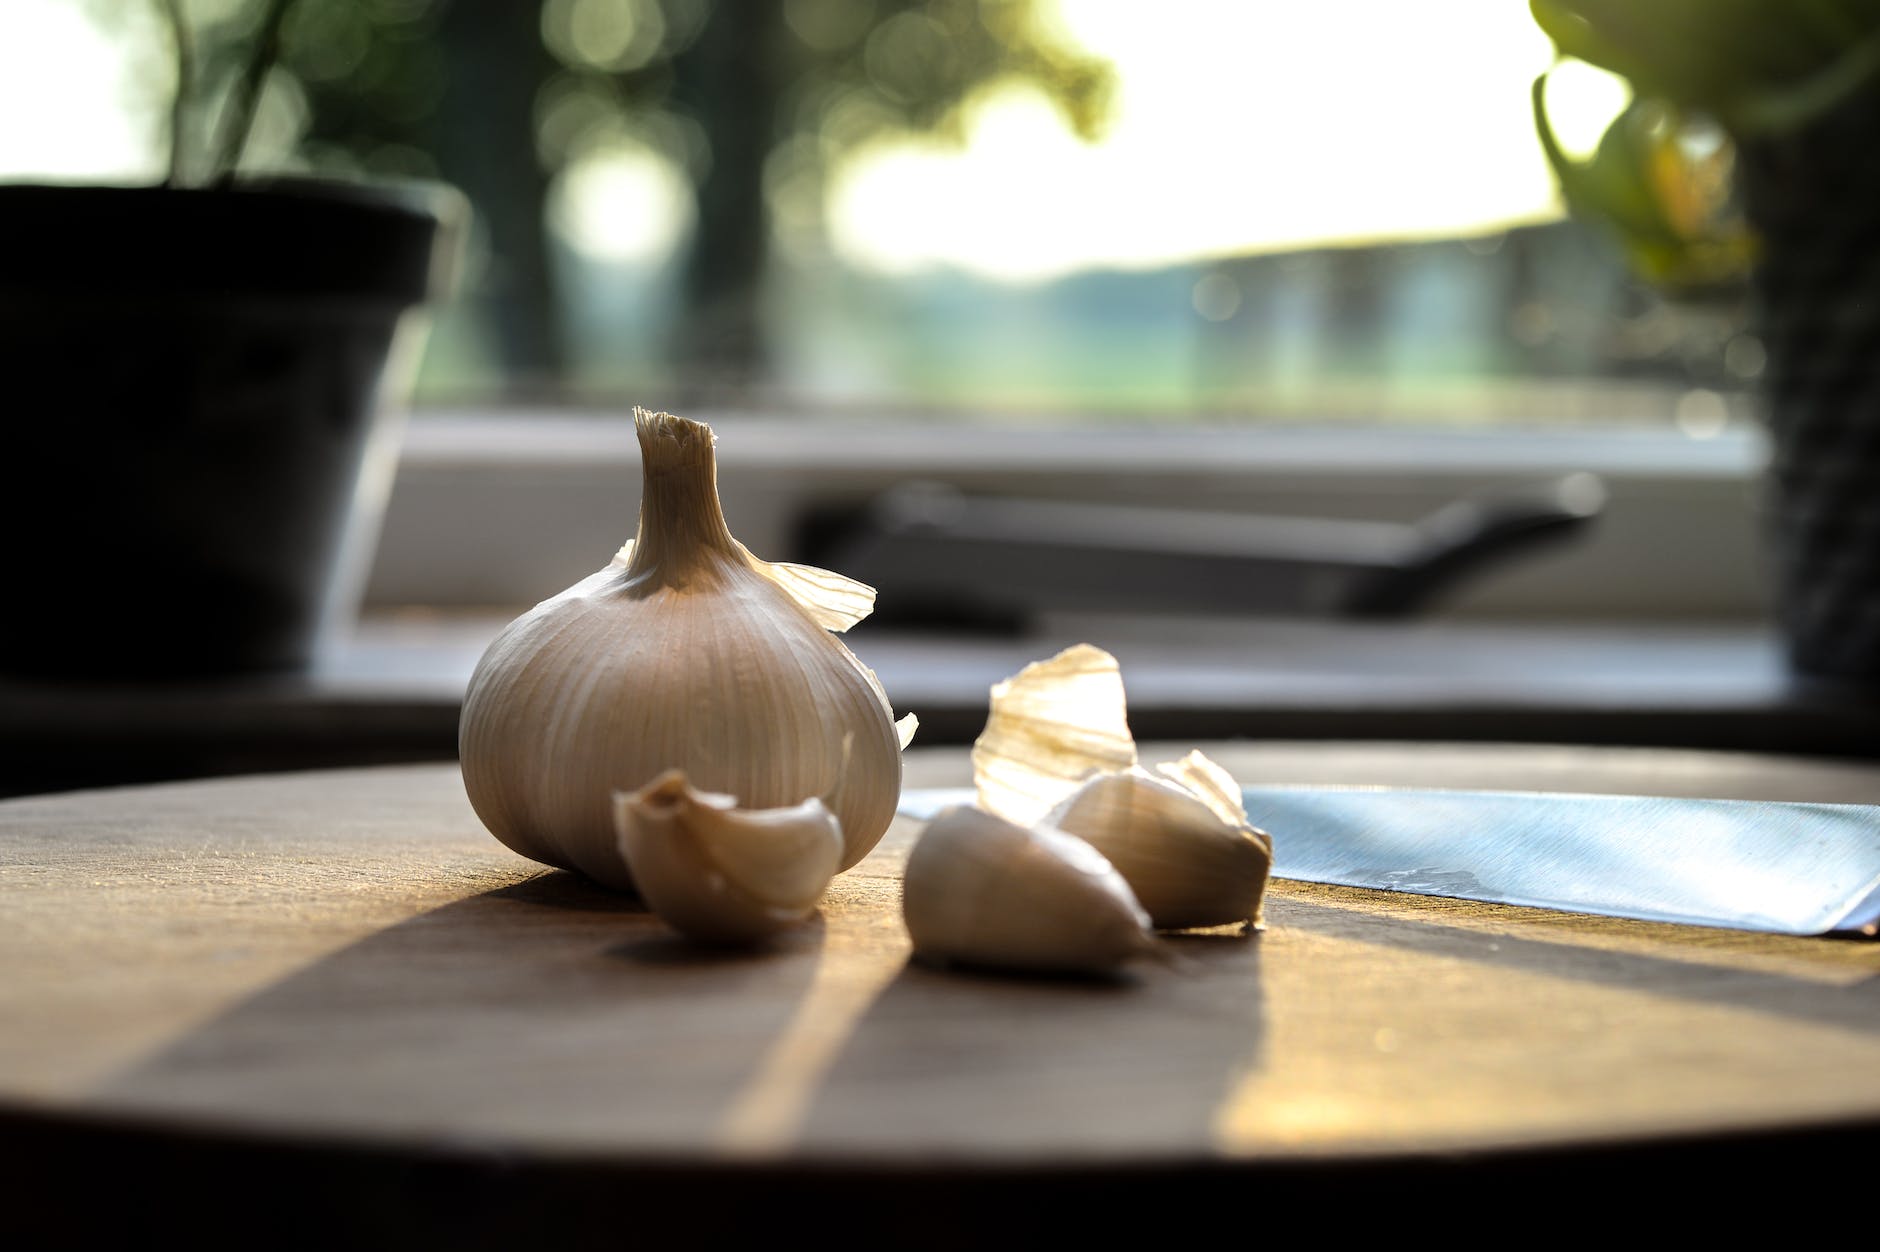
1776 866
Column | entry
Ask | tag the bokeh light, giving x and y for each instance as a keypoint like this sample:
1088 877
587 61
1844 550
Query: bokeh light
1287 209
622 202
79 86
1237 128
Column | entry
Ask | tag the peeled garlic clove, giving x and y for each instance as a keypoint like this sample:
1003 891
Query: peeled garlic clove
1187 864
980 890
1050 726
686 653
722 874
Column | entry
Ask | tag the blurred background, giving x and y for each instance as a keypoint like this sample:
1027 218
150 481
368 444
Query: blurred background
1243 212
1282 299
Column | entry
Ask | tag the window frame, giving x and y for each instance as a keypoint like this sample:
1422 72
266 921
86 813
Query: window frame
504 507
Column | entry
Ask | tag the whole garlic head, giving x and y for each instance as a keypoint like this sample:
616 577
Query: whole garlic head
685 653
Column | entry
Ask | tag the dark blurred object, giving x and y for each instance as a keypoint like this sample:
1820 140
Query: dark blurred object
193 379
938 556
1813 196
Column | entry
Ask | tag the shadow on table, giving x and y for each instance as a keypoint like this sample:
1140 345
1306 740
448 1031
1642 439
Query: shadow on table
589 1015
549 1006
1134 1067
1846 997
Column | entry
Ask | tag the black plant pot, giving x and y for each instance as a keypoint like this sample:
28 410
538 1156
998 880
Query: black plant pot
192 384
1813 196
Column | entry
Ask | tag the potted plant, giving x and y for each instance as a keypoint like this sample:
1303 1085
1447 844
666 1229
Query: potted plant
1792 194
198 377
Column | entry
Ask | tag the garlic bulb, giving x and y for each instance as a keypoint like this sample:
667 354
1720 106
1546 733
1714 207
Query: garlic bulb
685 653
980 890
1057 749
1189 864
719 873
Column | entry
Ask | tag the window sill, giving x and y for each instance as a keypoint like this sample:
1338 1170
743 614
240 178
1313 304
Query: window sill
393 693
506 509
1649 634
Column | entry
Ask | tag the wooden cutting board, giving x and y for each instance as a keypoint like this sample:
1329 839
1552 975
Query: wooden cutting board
347 959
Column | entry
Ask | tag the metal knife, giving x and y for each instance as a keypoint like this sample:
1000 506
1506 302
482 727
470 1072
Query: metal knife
1781 867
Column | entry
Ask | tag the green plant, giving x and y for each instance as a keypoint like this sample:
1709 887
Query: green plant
1708 75
220 142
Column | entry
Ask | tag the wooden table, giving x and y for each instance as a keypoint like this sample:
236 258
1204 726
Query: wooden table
331 1004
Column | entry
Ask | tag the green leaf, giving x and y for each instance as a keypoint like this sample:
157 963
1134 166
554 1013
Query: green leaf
1790 105
1754 64
1613 185
1621 188
1649 44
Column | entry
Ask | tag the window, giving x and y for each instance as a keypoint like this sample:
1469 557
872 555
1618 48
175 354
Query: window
1086 207
1246 226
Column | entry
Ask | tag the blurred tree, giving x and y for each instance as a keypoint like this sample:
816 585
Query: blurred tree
446 88
784 91
496 96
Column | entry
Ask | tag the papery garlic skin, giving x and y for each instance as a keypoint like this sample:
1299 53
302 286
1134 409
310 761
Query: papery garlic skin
686 653
979 890
1187 866
721 874
1050 726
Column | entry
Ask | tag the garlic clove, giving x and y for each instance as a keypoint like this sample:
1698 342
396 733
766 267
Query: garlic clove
1211 785
1050 726
721 874
979 890
1057 749
686 652
1187 864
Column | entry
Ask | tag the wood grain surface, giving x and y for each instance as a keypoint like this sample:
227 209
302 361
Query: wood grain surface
347 957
